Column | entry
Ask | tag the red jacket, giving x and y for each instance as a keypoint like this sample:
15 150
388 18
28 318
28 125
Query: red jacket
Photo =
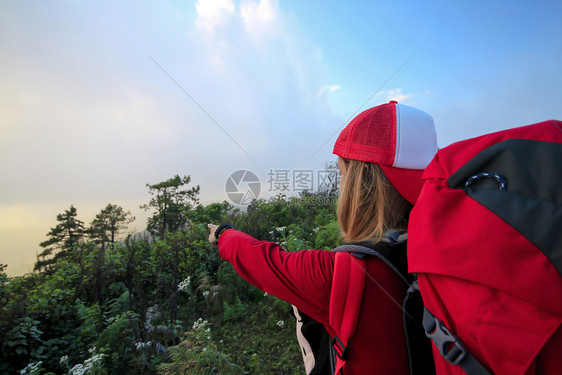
304 279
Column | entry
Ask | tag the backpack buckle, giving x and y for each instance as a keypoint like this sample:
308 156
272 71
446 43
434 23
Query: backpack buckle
390 237
449 345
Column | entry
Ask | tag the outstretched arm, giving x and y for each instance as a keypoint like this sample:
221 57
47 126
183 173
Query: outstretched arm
302 278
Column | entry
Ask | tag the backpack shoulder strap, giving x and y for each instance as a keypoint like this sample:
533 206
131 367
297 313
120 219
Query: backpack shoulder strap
381 251
345 300
392 252
348 284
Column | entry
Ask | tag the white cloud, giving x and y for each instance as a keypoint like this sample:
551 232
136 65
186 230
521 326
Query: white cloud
213 13
327 93
88 118
269 76
397 95
330 89
259 18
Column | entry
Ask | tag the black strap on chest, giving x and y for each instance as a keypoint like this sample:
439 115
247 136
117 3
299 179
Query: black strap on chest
391 250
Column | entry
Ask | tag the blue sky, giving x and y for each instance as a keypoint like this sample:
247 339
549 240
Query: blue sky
88 118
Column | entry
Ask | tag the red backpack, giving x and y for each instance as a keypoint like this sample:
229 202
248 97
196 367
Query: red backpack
485 238
329 349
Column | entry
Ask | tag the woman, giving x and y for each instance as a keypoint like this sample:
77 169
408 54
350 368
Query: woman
382 153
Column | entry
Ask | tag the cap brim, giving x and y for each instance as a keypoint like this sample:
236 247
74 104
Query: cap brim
408 182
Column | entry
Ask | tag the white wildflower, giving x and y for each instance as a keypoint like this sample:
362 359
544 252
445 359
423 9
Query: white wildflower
84 368
77 370
199 323
280 229
93 360
185 283
205 293
141 345
31 368
280 324
63 359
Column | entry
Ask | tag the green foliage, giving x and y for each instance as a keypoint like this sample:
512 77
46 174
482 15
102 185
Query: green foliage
117 341
171 201
197 354
213 213
328 236
23 336
63 240
107 225
98 305
259 335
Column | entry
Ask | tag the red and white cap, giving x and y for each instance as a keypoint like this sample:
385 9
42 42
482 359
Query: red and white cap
399 138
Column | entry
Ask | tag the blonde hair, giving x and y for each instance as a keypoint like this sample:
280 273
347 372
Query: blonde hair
368 204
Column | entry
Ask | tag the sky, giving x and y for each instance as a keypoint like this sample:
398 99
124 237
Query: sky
99 98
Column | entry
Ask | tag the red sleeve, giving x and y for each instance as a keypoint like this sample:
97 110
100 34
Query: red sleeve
302 278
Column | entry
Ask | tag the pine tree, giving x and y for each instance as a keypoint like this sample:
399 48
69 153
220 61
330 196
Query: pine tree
63 240
172 201
108 224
